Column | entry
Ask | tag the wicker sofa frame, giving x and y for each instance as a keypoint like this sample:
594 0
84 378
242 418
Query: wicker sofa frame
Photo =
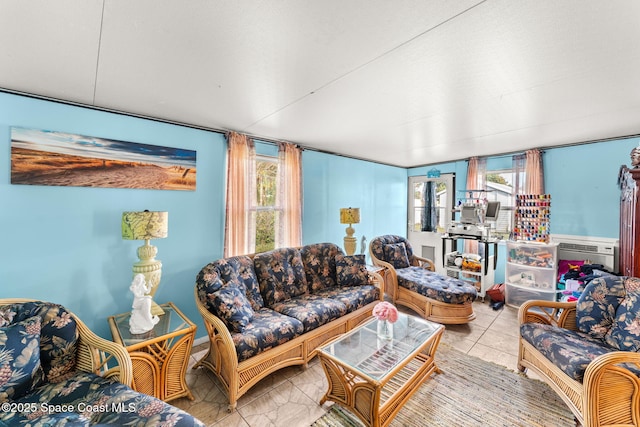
609 394
429 308
237 378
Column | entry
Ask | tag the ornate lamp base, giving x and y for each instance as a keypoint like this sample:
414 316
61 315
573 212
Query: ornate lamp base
151 269
350 241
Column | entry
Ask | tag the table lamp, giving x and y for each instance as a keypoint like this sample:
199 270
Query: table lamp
349 216
146 226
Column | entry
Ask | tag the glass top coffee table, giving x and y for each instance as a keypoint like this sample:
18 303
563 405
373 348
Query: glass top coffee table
373 377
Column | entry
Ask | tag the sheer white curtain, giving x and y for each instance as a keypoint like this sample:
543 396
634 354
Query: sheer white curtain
528 173
476 180
289 197
239 228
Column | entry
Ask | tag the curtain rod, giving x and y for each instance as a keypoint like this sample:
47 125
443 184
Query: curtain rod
543 149
273 141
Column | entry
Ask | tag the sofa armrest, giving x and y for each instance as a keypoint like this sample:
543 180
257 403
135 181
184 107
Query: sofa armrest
419 261
378 281
561 314
611 392
222 356
97 355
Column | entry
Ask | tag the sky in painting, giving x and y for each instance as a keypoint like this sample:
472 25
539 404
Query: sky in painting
89 146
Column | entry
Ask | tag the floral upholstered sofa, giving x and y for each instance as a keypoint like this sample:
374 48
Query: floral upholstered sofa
412 282
55 371
588 351
274 309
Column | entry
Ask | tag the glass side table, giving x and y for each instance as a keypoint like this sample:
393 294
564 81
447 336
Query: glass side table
160 356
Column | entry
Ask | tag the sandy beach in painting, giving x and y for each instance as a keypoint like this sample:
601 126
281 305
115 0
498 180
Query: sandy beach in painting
35 167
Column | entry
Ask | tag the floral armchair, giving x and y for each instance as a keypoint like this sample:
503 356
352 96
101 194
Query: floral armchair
411 280
588 351
55 371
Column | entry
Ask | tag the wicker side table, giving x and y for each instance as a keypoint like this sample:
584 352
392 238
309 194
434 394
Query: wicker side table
160 356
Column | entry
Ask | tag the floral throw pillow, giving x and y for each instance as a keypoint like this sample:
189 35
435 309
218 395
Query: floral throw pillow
351 270
233 307
20 370
396 255
597 306
625 331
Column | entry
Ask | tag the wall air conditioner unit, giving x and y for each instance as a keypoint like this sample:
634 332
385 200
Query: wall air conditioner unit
595 250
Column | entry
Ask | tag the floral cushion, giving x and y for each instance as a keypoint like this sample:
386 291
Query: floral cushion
95 400
353 297
281 275
207 283
596 308
624 334
266 330
312 310
571 351
20 370
236 270
351 270
396 255
58 335
232 306
378 243
436 286
319 265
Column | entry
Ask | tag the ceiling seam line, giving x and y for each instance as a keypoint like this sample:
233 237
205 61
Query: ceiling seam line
190 126
359 67
95 78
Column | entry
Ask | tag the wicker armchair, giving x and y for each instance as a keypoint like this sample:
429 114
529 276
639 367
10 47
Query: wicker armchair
414 283
95 354
607 391
50 357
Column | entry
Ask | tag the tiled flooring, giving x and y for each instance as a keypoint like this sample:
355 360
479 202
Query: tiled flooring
290 396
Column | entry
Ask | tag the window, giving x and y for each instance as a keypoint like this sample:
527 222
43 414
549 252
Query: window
266 211
500 188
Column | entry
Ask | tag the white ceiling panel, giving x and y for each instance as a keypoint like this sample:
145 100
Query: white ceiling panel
50 48
407 82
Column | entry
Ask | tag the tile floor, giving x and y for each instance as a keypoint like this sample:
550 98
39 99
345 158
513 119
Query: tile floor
290 396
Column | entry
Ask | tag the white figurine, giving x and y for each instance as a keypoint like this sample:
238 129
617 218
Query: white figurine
141 320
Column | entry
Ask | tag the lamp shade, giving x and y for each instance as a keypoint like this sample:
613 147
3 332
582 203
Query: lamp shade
349 215
145 225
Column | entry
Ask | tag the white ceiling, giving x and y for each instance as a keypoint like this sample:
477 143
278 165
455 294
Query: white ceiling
402 82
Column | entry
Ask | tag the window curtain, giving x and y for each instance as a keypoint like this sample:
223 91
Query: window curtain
239 230
476 180
429 217
528 173
289 197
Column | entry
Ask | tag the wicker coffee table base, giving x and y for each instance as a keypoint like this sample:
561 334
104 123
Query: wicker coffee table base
377 402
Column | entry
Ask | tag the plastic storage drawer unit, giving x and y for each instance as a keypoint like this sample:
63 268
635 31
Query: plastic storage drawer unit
532 277
515 295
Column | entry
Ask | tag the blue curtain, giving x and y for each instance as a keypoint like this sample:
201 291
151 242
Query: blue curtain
429 216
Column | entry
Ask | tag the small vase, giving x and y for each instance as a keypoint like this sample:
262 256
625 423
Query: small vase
385 330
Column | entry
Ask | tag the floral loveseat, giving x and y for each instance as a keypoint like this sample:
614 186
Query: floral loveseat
53 371
266 311
588 351
412 282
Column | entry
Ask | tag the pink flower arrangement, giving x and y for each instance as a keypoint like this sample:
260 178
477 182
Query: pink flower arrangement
385 311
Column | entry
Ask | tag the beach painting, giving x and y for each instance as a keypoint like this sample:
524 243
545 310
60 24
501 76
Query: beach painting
41 157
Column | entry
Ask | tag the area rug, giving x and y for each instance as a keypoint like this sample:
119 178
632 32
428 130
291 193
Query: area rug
471 392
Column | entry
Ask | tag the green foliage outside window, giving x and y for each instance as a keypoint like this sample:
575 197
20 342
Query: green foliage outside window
266 190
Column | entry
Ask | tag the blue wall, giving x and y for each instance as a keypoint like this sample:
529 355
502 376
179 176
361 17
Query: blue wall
583 183
64 244
334 182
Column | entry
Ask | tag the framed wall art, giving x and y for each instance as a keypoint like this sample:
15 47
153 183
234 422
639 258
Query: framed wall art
41 157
